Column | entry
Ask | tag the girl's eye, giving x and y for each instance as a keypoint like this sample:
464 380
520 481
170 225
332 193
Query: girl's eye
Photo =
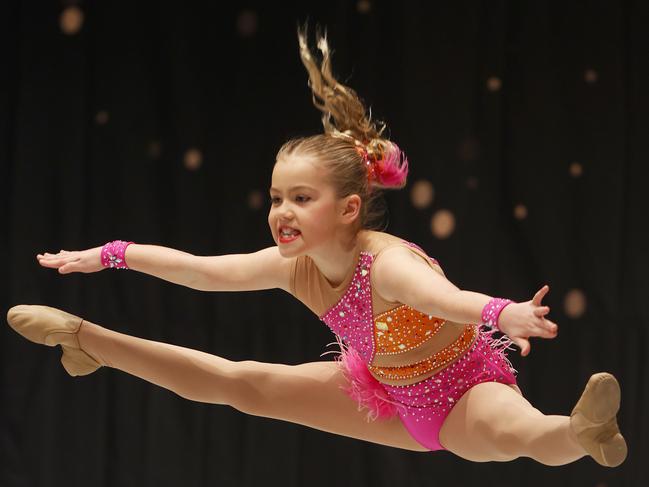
300 198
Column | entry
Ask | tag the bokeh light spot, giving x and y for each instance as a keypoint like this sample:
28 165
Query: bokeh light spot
421 194
442 224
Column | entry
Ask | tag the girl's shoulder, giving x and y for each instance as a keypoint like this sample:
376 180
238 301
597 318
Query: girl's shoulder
375 240
378 242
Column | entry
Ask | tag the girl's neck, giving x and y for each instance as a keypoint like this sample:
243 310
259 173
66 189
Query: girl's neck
340 260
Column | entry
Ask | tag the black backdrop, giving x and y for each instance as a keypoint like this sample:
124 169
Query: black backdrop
497 104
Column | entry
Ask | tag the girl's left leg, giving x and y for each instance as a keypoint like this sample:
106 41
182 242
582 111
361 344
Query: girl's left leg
309 394
493 422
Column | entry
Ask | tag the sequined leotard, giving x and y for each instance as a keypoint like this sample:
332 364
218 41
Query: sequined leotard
472 358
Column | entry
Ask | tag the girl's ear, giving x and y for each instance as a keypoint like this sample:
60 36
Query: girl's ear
351 208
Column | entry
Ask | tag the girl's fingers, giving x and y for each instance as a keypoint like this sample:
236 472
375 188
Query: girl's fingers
523 344
547 329
58 262
47 256
542 311
539 295
545 333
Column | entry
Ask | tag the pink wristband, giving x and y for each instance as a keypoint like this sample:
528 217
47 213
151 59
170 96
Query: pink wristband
112 254
491 311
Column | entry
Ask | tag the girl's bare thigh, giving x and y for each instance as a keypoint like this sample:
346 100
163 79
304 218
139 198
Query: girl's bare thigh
310 394
475 425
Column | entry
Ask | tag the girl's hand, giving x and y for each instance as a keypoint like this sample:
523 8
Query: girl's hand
519 321
85 261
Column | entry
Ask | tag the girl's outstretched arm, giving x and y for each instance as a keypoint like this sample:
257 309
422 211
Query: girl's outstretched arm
264 269
401 276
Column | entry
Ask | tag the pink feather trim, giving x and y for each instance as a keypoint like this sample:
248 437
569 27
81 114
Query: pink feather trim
368 392
499 345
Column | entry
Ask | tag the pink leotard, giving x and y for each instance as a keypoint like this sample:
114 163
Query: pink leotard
424 405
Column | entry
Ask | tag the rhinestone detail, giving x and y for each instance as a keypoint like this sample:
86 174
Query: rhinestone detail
351 317
435 396
403 328
435 361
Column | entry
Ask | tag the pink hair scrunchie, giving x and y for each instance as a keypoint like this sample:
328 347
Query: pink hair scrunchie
491 312
112 254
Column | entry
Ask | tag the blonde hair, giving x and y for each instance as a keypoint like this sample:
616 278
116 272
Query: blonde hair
351 142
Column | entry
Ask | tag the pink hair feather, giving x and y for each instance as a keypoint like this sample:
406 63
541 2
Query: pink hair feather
392 169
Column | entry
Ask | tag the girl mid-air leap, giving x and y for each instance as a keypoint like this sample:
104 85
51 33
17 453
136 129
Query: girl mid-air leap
417 352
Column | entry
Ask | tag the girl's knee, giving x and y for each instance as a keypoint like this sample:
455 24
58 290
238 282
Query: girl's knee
504 432
257 388
507 446
511 434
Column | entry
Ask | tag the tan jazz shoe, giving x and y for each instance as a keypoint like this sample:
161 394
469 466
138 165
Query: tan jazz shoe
51 326
594 422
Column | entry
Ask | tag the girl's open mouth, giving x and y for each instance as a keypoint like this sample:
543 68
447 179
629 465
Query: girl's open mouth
288 238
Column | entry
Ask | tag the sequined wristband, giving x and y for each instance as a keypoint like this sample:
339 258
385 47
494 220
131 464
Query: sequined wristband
112 254
491 311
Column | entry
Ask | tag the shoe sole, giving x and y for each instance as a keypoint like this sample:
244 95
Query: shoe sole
614 450
605 390
77 362
602 393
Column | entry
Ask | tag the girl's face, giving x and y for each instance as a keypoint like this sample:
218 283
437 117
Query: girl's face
301 201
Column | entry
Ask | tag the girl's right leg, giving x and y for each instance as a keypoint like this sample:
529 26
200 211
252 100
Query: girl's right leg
309 394
493 422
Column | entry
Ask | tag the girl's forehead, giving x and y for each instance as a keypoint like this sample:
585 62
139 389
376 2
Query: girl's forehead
286 172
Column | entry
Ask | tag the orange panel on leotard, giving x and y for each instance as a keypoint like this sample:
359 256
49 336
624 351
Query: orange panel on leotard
403 328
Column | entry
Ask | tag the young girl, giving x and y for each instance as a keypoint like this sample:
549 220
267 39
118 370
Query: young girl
412 351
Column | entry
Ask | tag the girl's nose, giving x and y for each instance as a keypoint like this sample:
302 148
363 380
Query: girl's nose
285 214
